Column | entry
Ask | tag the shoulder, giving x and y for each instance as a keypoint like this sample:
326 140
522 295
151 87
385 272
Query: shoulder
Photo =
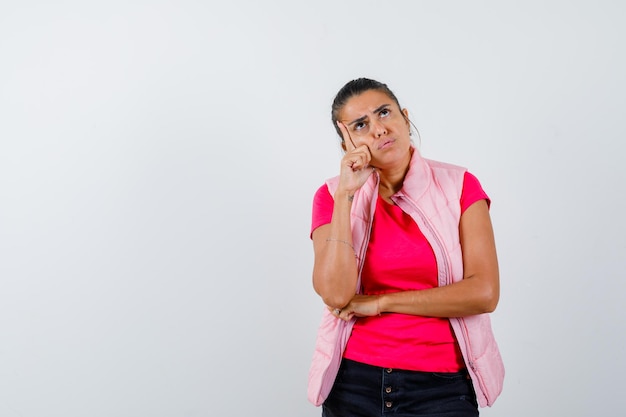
471 180
449 177
472 191
445 166
322 194
332 183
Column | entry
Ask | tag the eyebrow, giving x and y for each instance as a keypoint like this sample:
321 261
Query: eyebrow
362 118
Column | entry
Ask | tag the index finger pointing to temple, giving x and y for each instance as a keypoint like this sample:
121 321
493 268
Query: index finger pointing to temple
350 146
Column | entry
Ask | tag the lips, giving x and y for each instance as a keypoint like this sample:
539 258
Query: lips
386 143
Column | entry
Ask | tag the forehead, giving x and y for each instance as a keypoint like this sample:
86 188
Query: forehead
364 104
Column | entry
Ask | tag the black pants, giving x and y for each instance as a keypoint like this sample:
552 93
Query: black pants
362 390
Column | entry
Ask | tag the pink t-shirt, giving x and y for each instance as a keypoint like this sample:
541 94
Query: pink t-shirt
399 258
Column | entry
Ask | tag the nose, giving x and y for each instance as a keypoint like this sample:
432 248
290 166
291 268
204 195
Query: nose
378 128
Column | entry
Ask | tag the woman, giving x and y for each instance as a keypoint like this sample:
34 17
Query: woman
405 257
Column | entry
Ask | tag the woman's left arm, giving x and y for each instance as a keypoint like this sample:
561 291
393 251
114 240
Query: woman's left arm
478 292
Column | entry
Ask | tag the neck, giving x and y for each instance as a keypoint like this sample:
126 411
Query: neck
391 179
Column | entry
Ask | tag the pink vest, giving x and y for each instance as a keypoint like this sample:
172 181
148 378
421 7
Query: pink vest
430 195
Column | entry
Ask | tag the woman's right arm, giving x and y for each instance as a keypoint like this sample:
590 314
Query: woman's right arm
335 268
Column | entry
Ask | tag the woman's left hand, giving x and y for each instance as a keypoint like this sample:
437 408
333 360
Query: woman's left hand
359 306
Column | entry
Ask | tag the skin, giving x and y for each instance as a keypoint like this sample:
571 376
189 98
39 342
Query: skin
376 139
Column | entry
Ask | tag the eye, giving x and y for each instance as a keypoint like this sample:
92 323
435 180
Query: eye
384 113
359 126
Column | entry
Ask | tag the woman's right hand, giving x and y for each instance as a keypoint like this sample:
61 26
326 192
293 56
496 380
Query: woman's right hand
355 164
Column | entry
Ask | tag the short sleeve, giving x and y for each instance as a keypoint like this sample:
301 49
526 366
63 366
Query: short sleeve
323 204
472 192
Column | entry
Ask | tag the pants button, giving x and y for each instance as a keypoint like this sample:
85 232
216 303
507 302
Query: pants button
389 370
388 404
388 390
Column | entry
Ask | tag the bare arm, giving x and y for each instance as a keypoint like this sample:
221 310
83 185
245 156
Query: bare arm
477 293
335 268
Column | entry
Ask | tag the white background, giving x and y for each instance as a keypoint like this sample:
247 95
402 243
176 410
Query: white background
158 161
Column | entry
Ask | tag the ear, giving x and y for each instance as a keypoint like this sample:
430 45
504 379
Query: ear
405 113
